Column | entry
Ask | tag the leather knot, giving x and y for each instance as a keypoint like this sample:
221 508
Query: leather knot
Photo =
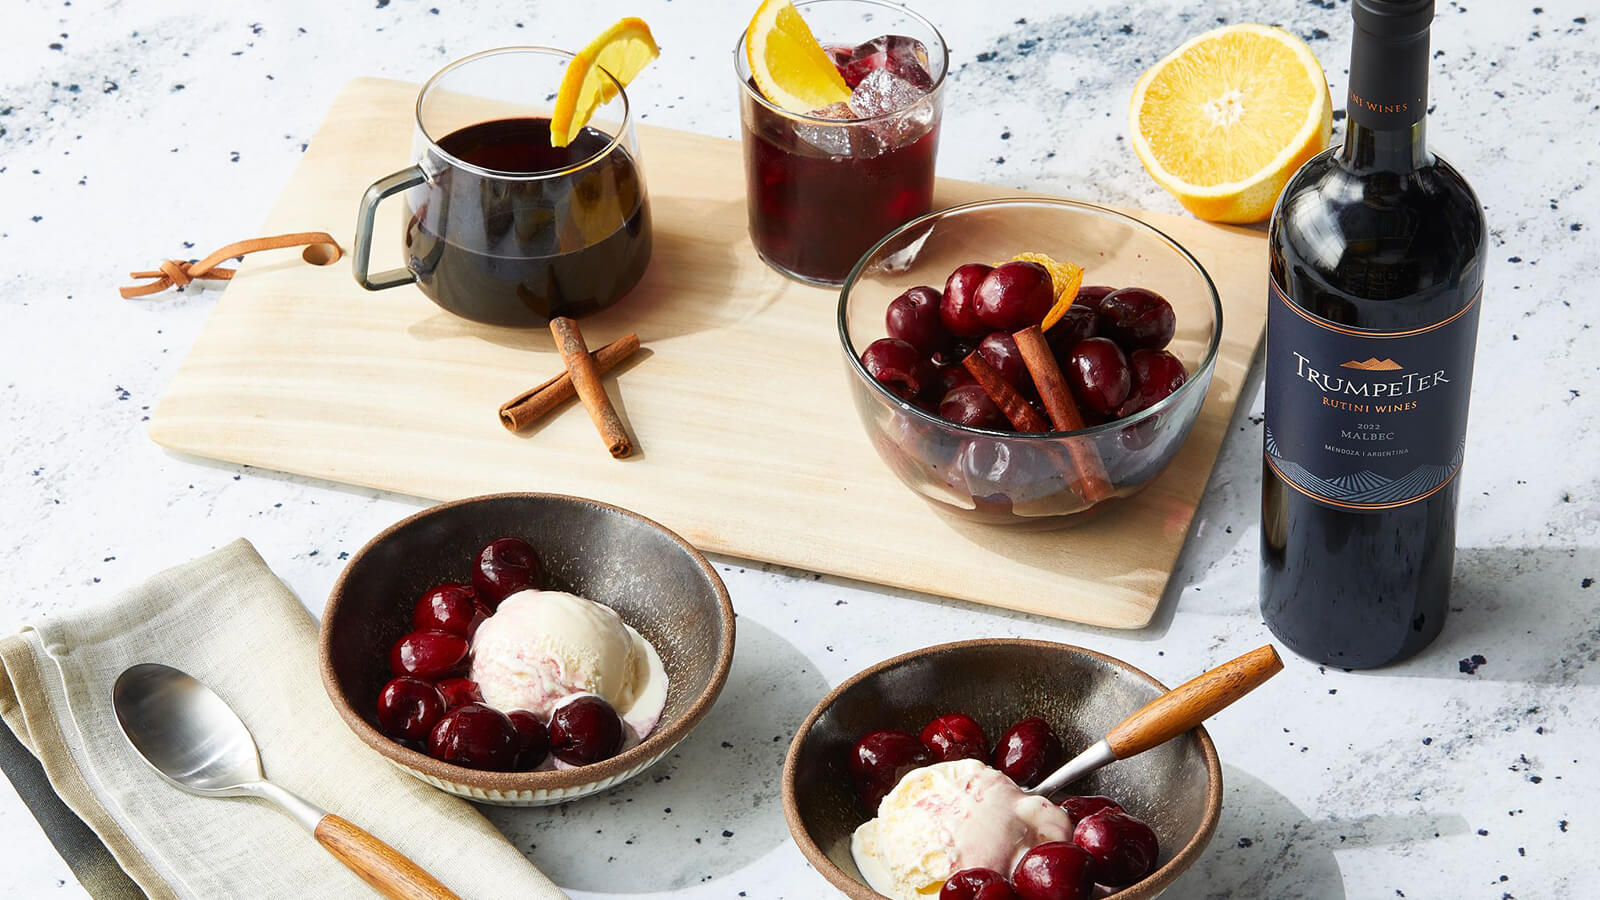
177 273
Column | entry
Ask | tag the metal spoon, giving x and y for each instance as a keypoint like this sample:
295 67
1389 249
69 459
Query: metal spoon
1169 715
196 741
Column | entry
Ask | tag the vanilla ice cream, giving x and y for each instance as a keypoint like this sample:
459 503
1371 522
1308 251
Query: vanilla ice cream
541 647
947 817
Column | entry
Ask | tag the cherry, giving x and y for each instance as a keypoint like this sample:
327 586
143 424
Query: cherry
1098 373
408 707
429 655
913 317
1056 870
475 736
971 405
460 692
1156 375
955 736
585 730
1028 751
948 378
999 349
899 367
505 566
1090 295
953 354
1137 319
1076 324
880 759
1015 295
1124 848
1080 808
534 739
449 607
977 884
959 309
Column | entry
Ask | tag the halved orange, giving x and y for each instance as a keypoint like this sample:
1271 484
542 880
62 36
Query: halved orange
622 50
1225 119
786 61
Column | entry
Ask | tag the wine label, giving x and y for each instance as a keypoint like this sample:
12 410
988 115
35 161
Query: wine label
1366 420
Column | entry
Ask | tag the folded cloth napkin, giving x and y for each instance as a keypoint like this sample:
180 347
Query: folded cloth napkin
228 621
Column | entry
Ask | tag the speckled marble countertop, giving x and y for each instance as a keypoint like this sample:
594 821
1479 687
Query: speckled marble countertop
130 132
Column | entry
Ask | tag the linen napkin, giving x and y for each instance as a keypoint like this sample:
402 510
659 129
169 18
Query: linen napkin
228 621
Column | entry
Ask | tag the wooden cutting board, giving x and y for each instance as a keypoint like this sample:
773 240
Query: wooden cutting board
750 445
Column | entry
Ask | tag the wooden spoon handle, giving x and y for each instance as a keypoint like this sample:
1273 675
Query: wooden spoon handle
1191 703
378 864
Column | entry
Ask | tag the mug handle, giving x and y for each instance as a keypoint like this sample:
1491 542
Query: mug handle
362 252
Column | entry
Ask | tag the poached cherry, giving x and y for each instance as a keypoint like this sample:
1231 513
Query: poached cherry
1099 375
977 884
955 736
1124 848
475 736
1056 870
408 708
1028 751
505 566
879 760
899 367
971 405
459 692
913 317
999 349
948 378
1090 295
449 607
959 309
430 655
585 730
1137 319
1156 375
534 738
1015 295
1076 324
1080 808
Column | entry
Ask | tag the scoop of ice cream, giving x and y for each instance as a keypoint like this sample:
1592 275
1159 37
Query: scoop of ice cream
951 816
540 647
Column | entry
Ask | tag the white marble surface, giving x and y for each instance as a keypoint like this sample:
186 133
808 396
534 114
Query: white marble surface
131 131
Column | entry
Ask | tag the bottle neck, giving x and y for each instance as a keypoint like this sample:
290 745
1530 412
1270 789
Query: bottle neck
1385 125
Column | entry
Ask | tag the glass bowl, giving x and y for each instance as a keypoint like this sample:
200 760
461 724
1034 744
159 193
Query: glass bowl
1004 477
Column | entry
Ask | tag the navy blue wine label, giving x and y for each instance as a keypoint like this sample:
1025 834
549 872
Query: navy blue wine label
1366 420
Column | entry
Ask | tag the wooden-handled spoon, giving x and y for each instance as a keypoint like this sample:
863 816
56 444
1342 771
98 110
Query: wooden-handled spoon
1169 715
194 740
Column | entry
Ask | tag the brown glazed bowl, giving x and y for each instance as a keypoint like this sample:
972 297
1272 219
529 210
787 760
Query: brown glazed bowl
659 584
1175 788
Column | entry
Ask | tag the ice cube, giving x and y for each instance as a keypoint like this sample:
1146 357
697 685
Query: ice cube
880 92
905 57
842 139
903 113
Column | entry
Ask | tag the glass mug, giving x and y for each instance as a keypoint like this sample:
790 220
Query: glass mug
501 227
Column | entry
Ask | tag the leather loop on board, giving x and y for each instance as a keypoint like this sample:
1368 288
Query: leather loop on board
321 249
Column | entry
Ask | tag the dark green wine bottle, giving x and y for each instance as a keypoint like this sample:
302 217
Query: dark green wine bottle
1377 256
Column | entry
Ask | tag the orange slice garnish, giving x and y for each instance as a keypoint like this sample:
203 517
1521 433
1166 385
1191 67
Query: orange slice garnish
788 65
622 50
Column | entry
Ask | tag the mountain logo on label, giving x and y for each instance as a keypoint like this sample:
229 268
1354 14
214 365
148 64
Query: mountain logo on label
1373 364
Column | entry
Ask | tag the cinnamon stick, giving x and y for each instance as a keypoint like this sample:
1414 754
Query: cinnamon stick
1013 404
586 381
535 403
1063 411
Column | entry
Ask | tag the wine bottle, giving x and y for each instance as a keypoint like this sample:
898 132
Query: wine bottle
1376 255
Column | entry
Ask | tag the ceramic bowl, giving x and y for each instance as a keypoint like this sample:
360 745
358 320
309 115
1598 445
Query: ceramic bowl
659 584
1175 788
1003 477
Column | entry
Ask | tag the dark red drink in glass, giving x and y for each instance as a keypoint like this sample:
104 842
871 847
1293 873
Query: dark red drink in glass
822 187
